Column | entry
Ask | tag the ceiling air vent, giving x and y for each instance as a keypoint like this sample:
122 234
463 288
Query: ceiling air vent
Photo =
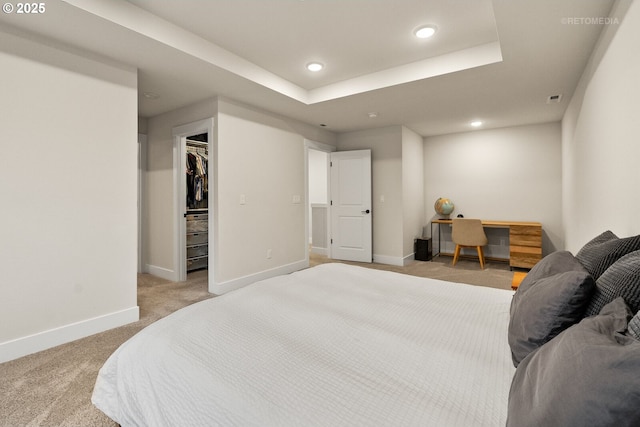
554 99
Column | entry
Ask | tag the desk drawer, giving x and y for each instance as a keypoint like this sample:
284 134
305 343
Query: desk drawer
524 256
525 245
525 235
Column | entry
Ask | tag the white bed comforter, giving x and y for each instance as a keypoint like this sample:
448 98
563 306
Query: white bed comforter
334 345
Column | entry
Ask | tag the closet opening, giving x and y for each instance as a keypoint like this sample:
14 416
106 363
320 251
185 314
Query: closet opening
194 189
197 202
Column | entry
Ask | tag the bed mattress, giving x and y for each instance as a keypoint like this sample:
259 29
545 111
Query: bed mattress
334 345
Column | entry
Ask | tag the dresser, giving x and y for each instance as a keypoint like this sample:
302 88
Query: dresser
525 244
197 241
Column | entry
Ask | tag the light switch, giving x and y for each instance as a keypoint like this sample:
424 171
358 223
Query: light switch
296 198
243 199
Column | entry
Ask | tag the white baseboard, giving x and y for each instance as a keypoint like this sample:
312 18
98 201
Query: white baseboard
389 260
54 337
163 273
233 284
408 259
319 251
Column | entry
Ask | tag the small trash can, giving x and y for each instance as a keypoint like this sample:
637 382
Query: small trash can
422 249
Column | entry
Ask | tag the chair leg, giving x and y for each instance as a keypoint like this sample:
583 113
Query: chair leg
456 253
481 256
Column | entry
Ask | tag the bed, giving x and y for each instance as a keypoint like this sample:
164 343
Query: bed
338 345
333 345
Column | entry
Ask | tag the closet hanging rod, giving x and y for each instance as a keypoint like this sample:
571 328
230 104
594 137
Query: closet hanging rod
197 143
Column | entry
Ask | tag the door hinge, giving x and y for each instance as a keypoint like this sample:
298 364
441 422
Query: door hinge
331 203
332 241
330 164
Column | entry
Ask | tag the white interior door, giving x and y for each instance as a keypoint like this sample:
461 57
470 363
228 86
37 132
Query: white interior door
351 205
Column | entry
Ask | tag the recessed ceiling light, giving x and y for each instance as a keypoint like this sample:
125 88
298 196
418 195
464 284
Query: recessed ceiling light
476 123
372 115
425 32
314 66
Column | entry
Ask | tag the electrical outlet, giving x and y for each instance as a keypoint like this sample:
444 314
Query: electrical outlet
296 198
268 253
243 199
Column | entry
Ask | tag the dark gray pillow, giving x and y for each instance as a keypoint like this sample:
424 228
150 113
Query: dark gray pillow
546 308
550 265
586 376
634 326
622 279
605 249
602 237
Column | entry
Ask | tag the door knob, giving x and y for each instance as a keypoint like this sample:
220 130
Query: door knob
366 212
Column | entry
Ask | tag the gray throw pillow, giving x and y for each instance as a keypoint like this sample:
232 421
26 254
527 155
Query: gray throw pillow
622 279
586 376
546 308
605 249
634 326
550 265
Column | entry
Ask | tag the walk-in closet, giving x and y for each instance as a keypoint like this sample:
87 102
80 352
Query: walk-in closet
197 159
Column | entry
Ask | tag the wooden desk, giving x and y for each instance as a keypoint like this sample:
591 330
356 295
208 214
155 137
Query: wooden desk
525 240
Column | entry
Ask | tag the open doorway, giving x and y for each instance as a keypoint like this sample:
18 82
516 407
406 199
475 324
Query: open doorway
197 202
317 157
193 199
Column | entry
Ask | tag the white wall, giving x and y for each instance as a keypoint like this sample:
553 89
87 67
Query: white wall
413 209
397 189
260 156
262 160
68 180
500 174
158 223
600 137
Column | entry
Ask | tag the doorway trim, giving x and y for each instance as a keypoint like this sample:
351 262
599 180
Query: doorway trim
180 134
142 188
